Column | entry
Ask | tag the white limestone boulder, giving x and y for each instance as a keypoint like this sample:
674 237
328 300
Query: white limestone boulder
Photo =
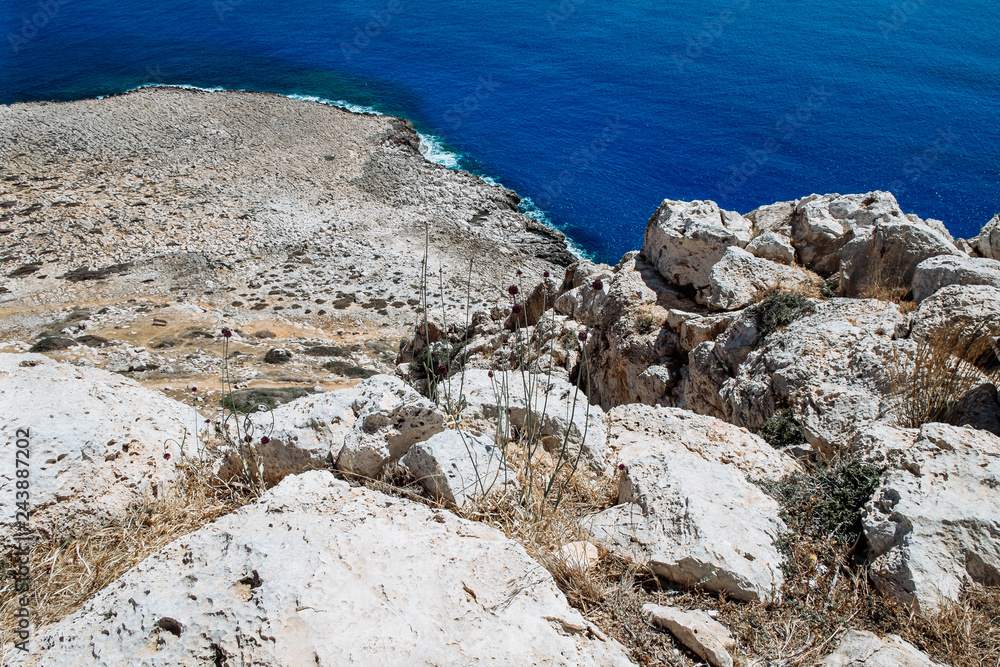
683 240
317 572
638 430
97 442
390 417
987 244
821 223
886 255
934 522
772 246
458 468
702 634
739 279
305 434
567 424
957 305
832 368
937 272
858 648
694 520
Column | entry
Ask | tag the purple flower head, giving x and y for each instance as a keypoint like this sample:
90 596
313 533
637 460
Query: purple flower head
582 336
442 369
194 388
545 274
208 421
519 272
247 439
166 455
517 309
226 332
506 340
621 466
512 290
264 440
490 374
597 284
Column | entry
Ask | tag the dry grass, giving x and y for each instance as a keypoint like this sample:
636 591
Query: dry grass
68 569
949 364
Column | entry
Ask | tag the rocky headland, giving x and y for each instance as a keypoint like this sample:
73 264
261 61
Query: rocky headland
769 438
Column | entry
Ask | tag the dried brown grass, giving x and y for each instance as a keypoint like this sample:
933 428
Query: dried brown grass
69 568
949 364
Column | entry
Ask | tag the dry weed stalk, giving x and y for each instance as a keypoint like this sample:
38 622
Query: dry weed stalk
947 365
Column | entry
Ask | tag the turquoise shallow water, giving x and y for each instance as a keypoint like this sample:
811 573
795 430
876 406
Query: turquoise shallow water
595 111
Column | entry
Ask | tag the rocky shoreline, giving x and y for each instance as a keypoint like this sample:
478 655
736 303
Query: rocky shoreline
778 433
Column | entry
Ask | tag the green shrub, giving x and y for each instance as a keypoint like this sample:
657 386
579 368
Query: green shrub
348 369
781 430
247 400
780 310
829 501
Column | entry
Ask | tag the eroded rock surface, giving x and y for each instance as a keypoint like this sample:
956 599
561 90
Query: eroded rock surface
319 573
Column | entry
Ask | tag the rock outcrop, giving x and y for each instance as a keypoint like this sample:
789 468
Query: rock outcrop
97 442
739 279
859 648
702 634
316 572
934 523
937 272
686 508
458 468
987 244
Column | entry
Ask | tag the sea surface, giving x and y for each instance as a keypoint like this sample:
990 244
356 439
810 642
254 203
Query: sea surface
594 111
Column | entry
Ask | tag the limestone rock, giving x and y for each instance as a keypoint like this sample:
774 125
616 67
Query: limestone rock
316 572
697 329
705 376
937 272
97 442
684 240
935 520
559 410
694 521
886 255
584 303
458 468
988 241
859 648
772 246
821 224
739 279
390 418
640 430
776 218
706 637
955 305
308 433
580 555
831 368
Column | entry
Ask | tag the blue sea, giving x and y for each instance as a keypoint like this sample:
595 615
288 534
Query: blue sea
594 111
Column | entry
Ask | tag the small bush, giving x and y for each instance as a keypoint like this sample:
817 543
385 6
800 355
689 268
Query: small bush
780 310
247 400
348 369
781 430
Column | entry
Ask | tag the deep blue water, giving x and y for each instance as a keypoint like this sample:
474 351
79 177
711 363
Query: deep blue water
595 110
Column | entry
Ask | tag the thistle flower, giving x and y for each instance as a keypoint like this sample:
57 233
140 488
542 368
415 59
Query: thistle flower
442 369
597 284
512 290
490 374
545 274
517 309
264 440
166 455
193 389
621 466
582 336
226 332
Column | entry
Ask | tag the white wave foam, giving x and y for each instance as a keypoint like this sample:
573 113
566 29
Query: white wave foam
530 209
432 148
343 104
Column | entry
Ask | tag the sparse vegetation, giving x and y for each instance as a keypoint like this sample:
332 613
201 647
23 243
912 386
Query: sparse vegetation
947 366
779 310
248 400
781 430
